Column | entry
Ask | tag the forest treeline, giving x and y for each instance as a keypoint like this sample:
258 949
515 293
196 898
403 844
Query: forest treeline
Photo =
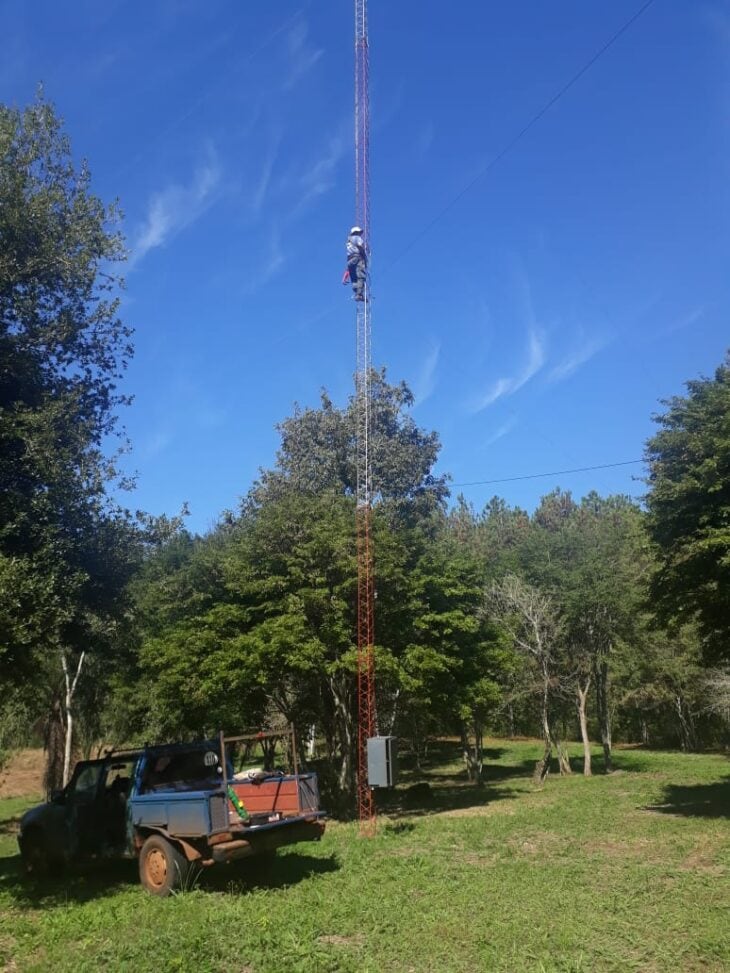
596 618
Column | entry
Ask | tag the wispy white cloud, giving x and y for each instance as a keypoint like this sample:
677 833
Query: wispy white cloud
425 383
685 321
262 186
576 359
318 176
175 207
302 56
505 428
535 355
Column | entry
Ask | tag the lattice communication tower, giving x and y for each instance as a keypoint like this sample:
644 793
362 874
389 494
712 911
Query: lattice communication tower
363 401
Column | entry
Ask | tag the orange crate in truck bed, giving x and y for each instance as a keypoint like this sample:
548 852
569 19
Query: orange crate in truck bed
289 795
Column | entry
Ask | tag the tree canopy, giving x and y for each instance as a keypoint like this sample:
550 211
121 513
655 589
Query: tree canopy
689 509
63 347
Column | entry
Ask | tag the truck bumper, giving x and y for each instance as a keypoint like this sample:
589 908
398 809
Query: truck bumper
267 838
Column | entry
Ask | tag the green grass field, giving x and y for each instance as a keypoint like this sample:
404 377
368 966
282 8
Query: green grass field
627 872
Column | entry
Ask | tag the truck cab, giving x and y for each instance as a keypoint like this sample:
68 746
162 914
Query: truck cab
86 819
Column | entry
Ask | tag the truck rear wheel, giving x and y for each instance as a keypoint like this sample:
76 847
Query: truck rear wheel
162 866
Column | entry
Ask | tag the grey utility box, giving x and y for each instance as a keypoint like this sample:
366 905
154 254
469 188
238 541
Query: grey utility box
382 761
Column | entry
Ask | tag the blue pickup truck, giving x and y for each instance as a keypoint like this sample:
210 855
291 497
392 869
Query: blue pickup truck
173 807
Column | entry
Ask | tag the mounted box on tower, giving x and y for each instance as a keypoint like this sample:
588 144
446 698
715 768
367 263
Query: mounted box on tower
382 761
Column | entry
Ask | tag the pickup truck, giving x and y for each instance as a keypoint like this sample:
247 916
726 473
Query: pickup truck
172 806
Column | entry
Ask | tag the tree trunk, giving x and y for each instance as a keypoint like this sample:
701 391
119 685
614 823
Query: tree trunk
600 674
542 767
466 749
311 742
344 734
688 738
644 732
479 750
473 755
582 696
511 720
54 736
388 726
416 739
563 758
71 685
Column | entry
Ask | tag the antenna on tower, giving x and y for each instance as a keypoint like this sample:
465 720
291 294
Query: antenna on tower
363 515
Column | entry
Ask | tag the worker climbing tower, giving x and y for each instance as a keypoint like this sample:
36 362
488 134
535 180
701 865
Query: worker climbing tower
365 584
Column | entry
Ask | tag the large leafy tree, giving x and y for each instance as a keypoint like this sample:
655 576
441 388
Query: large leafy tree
318 453
271 632
62 349
689 509
66 552
596 561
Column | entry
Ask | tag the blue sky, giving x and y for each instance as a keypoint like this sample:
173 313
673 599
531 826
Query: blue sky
538 322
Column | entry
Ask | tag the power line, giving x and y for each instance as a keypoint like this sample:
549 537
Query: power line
523 131
536 476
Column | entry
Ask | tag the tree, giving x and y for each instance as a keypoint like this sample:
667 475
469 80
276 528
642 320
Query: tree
533 621
689 509
66 551
454 655
717 688
664 686
593 559
317 451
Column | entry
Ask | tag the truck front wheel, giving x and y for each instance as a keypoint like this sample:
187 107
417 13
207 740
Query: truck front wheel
162 866
36 857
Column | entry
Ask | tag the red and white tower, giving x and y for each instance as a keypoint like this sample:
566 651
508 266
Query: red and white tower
365 583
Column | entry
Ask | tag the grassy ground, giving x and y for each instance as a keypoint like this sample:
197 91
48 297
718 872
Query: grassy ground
626 872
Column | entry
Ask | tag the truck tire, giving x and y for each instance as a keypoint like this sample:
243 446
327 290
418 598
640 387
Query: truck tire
163 868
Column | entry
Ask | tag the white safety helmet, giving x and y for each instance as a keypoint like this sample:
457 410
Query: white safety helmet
356 231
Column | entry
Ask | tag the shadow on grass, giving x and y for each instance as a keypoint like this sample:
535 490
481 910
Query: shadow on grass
628 761
285 870
695 800
492 773
436 793
422 792
456 798
81 884
99 880
399 827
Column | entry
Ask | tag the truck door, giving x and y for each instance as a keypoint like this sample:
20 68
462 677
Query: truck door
84 807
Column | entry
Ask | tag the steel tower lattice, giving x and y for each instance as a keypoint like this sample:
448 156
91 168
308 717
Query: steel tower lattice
365 582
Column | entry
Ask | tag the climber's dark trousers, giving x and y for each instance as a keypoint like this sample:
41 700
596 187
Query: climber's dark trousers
357 278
